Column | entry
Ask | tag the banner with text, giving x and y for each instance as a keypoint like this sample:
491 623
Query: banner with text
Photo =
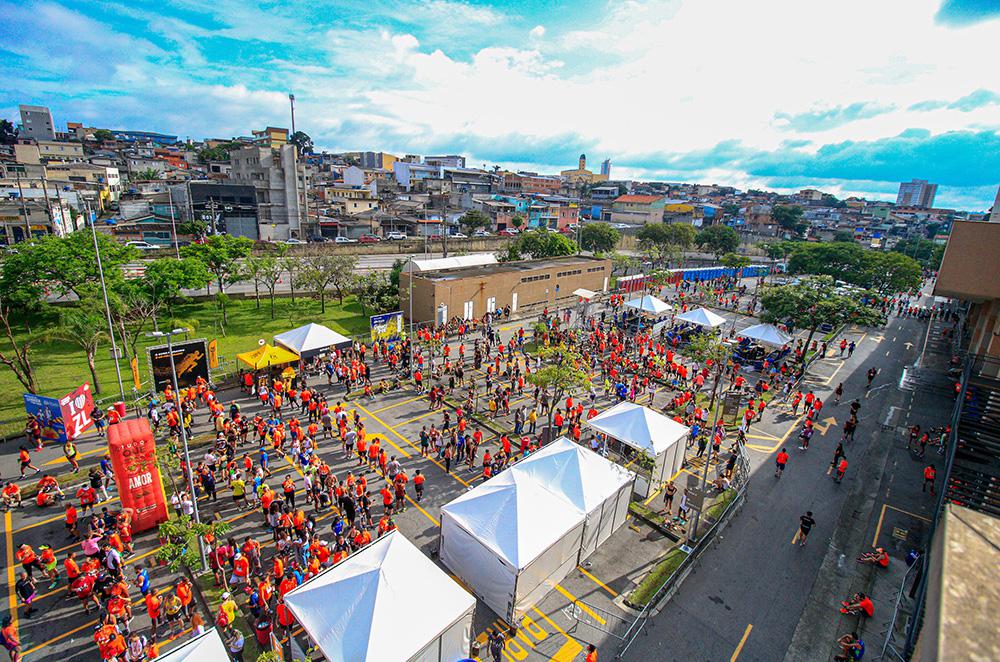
388 326
190 361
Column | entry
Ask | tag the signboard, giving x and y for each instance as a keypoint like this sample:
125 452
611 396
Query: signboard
140 486
63 418
190 361
134 364
731 405
48 413
213 353
388 326
76 408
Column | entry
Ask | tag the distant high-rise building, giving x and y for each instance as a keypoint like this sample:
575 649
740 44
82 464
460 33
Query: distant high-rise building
606 167
995 214
916 193
583 162
36 122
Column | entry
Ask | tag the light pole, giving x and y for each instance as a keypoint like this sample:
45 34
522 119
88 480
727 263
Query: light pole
693 529
173 222
184 440
104 290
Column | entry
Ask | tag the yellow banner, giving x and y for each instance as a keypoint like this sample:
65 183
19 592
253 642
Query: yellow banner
213 353
135 372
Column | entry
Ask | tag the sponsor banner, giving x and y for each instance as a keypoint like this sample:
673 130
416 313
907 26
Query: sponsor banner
49 415
190 360
388 326
140 486
76 408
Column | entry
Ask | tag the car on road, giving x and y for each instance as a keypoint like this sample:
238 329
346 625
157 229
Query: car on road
434 236
480 233
141 245
369 239
621 226
509 232
344 240
294 242
457 235
395 236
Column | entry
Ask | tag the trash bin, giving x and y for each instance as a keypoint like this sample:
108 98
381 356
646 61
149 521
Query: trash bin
120 408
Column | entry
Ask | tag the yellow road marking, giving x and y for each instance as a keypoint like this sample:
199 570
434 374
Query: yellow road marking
572 598
570 649
743 641
11 595
59 518
661 487
611 591
64 460
426 514
424 415
403 402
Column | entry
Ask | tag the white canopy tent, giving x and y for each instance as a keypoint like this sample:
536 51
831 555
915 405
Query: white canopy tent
597 487
649 304
662 438
510 539
766 334
701 317
386 603
311 339
206 647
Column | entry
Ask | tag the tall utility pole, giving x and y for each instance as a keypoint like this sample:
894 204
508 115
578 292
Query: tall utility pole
291 101
173 222
107 305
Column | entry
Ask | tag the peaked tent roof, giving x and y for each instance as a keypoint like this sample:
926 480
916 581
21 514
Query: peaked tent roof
767 334
514 516
206 647
639 427
649 304
701 317
266 356
374 592
310 337
579 474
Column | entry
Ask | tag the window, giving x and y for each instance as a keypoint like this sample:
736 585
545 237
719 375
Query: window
593 269
568 273
531 279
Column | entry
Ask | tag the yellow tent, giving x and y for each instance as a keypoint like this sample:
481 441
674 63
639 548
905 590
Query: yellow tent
266 356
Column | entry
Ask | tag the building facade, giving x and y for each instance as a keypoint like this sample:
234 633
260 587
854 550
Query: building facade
280 183
916 193
528 286
448 161
638 209
37 123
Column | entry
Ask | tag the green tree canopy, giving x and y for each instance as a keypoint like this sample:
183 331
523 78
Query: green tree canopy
561 374
599 237
843 236
735 261
85 328
719 239
539 244
166 277
145 174
890 272
789 218
302 140
102 135
221 254
924 251
858 266
473 220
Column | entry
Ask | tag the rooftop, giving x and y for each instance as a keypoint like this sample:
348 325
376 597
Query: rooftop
485 270
641 199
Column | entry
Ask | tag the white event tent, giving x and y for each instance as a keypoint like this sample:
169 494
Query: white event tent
386 603
311 339
513 537
701 317
206 647
767 334
662 438
649 304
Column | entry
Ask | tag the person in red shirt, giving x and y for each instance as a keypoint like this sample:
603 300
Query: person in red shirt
83 588
418 485
860 603
779 462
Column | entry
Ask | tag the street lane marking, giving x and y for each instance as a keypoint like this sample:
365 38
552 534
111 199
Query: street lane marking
881 519
64 460
611 591
9 545
743 641
59 518
572 598
570 649
397 404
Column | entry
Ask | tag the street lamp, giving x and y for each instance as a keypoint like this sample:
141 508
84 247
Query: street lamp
92 216
184 440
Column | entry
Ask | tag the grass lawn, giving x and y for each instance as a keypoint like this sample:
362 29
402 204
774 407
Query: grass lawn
656 578
61 366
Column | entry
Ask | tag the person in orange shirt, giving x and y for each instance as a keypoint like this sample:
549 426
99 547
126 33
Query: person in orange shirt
153 604
28 559
11 641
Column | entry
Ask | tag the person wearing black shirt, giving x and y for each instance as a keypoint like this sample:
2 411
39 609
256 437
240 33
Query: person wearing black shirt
806 523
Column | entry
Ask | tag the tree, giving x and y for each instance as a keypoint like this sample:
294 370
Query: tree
682 235
720 239
146 174
132 307
222 300
735 261
293 266
654 234
730 209
8 134
812 302
517 221
375 293
560 375
711 352
252 269
195 227
473 220
324 270
599 237
222 254
843 236
923 251
181 535
542 243
621 263
302 140
890 272
837 259
166 277
103 135
17 358
789 218
85 328
779 250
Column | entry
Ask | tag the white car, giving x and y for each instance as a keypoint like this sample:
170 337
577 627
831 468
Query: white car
295 242
457 235
344 240
395 236
141 245
480 233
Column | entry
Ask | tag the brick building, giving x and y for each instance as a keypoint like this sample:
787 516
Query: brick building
525 286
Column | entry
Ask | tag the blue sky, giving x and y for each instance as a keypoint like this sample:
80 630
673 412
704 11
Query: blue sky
850 97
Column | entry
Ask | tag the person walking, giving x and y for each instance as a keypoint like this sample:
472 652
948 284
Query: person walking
495 643
838 392
668 496
779 463
806 523
837 454
929 475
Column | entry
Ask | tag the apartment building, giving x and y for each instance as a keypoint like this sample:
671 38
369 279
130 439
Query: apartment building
638 209
37 123
280 182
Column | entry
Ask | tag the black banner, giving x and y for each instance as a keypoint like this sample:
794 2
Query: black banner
190 361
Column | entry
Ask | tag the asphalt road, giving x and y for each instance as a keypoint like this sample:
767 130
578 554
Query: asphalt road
747 593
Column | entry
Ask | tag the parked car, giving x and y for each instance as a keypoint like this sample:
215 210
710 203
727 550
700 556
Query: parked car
294 242
395 236
509 232
344 240
568 231
436 235
457 235
480 233
141 245
369 239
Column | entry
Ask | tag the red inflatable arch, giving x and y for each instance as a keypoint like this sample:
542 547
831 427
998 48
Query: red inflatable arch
133 457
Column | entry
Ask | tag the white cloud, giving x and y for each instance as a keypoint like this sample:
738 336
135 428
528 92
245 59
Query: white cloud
537 32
